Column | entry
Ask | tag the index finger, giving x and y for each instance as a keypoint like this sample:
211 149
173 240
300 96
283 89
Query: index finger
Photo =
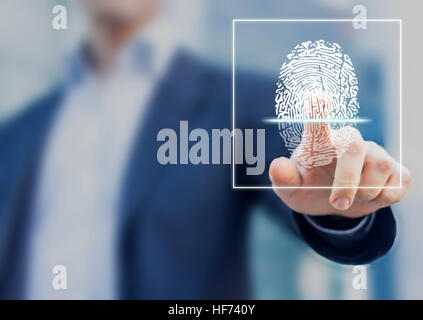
315 144
348 171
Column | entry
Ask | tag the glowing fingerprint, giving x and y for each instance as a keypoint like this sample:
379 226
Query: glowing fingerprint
316 96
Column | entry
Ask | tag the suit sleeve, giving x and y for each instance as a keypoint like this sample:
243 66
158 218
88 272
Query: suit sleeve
371 238
352 241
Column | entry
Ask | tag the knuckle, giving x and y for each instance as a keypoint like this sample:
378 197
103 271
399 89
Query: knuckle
355 147
367 194
391 197
372 145
384 165
406 177
354 133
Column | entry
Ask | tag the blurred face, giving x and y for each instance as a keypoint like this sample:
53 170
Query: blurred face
121 11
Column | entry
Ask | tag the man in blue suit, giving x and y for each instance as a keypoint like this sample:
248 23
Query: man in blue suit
81 186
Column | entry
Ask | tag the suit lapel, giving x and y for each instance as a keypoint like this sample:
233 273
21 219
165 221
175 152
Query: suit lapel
175 99
31 132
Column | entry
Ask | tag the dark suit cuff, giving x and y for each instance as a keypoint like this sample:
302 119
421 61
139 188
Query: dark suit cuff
349 241
336 225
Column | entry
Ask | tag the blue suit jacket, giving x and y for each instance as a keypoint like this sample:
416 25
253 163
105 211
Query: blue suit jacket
183 229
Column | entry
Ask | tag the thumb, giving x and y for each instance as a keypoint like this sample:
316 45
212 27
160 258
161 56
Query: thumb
283 173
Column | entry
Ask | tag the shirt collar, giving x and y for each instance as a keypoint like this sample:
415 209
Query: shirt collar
157 43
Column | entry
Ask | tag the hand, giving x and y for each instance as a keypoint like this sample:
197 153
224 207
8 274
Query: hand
359 163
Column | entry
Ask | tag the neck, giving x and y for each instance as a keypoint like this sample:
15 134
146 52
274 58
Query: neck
106 41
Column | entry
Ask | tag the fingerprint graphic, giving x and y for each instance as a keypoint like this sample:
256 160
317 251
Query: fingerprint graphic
316 95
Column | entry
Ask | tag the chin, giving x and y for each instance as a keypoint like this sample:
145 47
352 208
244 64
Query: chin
122 11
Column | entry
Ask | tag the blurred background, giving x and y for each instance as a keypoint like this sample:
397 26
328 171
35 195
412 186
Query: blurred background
31 56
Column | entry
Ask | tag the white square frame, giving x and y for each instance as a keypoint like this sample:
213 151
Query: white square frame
234 22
